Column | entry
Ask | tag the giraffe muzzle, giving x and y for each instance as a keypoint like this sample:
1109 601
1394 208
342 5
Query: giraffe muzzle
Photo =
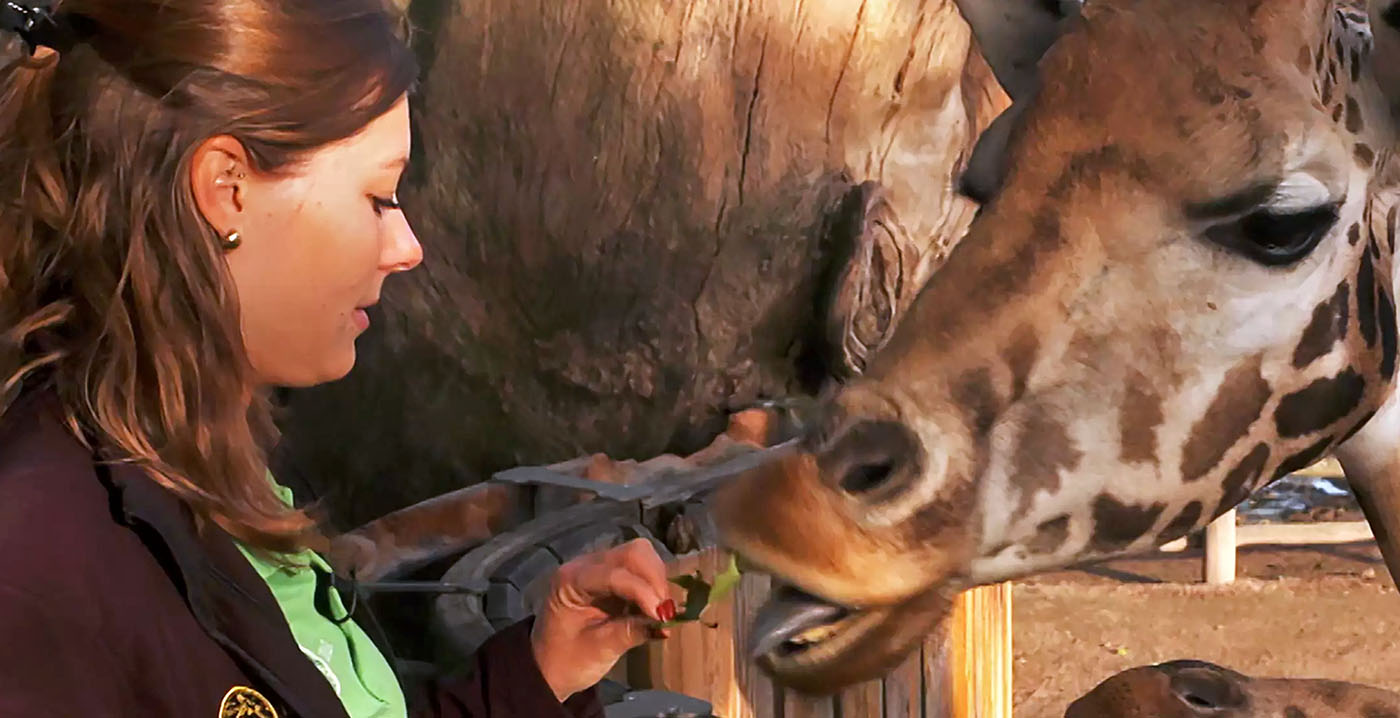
815 646
793 622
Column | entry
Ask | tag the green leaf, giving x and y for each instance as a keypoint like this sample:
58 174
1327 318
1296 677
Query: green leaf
700 595
726 581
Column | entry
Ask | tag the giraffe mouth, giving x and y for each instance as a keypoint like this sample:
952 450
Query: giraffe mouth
818 646
794 623
796 634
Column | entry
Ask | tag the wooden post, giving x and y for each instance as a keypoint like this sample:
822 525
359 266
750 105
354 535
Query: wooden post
1220 549
980 638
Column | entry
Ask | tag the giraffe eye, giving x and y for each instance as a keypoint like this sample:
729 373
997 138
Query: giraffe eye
1275 238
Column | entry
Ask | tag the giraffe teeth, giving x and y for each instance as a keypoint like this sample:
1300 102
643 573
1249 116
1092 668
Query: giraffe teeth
814 635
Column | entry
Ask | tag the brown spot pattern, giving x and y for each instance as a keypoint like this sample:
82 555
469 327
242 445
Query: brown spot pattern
1294 712
1365 156
949 512
977 396
1328 325
1138 417
1088 168
1392 225
1354 123
1385 322
1303 459
1241 479
1020 356
1049 536
1013 274
1361 423
1184 522
1354 234
1236 406
1044 450
1319 404
1214 89
1117 524
1366 299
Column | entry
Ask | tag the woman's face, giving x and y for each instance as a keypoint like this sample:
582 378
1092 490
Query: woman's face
316 244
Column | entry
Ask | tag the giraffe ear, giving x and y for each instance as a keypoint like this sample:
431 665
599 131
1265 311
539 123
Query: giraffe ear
1013 34
1385 53
872 279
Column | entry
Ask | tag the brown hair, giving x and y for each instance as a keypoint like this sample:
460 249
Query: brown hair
113 290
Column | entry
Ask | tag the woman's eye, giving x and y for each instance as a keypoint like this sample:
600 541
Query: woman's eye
381 204
1275 238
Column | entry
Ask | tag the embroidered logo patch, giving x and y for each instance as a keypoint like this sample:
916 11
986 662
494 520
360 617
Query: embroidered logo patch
244 702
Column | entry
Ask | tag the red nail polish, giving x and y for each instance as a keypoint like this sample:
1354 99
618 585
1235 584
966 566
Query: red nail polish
667 610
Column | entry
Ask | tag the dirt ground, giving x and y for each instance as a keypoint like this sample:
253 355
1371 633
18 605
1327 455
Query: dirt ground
1318 611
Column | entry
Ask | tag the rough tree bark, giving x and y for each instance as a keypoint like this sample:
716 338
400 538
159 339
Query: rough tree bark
637 217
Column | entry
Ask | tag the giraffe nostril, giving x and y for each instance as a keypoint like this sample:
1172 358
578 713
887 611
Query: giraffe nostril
1207 691
871 460
867 477
1199 701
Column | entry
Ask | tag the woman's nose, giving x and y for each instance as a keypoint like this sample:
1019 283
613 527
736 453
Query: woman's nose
402 252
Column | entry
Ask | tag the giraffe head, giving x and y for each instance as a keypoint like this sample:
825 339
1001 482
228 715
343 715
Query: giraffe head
1197 689
1178 288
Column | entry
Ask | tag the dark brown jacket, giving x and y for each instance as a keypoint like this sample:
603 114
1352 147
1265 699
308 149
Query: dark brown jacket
112 605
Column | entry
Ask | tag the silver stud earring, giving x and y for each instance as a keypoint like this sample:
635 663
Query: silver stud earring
232 240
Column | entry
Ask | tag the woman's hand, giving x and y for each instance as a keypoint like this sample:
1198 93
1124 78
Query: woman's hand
591 615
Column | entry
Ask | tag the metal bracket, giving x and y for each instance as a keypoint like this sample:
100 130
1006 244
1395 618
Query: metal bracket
664 487
424 587
541 476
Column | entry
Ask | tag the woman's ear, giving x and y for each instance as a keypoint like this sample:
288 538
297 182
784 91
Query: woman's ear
218 181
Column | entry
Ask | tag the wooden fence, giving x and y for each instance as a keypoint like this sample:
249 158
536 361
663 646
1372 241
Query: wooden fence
963 671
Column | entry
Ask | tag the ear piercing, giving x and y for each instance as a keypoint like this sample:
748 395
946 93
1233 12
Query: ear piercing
231 241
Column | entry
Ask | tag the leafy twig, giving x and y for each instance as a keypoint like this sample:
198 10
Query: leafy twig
700 595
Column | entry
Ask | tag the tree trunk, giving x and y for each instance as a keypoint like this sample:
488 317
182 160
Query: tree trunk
637 217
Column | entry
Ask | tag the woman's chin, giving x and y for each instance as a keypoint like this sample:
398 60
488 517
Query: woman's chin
339 368
329 370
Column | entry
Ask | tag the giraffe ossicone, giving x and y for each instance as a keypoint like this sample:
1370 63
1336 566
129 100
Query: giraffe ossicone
1181 285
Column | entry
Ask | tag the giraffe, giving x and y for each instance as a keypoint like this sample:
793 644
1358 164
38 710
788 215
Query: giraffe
1180 286
1197 689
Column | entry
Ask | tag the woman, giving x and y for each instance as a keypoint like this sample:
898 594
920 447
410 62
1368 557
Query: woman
198 203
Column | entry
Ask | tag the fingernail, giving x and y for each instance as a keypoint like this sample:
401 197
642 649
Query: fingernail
657 634
667 610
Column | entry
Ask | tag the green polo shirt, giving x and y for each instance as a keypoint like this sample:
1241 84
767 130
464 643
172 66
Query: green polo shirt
344 653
